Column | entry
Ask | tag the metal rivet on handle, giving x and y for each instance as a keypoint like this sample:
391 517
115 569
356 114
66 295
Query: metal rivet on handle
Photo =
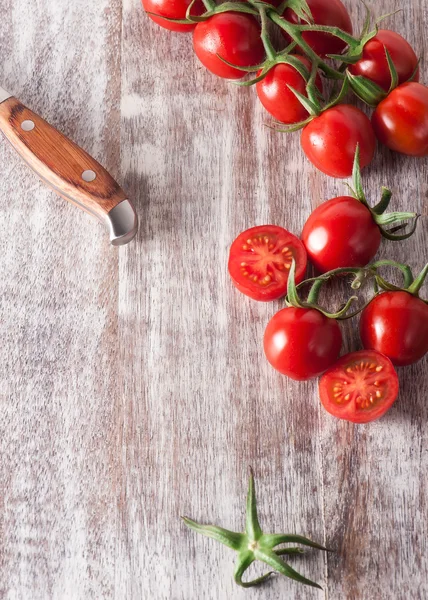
27 125
89 176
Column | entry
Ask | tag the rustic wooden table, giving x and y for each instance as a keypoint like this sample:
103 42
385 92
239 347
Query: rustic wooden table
133 385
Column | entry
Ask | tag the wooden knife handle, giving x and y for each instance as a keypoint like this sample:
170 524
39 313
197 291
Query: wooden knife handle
65 167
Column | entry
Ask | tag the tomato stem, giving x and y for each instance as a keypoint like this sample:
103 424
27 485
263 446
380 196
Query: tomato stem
270 50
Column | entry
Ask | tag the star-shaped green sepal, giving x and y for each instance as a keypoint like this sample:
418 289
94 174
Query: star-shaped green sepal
255 545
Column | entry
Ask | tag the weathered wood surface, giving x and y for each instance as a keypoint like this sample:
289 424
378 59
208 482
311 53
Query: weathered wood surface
133 388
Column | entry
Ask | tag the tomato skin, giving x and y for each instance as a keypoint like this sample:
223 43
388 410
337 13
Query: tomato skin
324 12
361 387
396 324
233 36
173 9
341 233
374 66
265 250
278 99
301 342
330 140
400 121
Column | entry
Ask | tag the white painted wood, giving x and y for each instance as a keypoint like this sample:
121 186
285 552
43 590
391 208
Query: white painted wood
133 386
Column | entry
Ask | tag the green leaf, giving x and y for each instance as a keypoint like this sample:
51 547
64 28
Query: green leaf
340 97
368 91
415 287
389 235
290 128
275 539
292 295
381 206
274 561
367 20
245 560
302 10
392 70
288 551
224 536
356 177
253 529
310 106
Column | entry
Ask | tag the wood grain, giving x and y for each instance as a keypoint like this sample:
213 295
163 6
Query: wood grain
133 386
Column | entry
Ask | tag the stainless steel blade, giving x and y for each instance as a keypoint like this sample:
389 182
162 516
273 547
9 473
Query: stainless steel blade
4 95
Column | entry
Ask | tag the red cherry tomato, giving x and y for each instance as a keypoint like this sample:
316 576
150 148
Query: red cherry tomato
341 233
330 140
401 120
173 9
324 12
278 99
360 387
301 342
374 66
233 36
396 324
260 259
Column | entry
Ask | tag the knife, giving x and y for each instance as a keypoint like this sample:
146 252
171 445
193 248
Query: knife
67 169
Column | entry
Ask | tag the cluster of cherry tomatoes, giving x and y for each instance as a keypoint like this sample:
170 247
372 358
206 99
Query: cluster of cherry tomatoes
302 341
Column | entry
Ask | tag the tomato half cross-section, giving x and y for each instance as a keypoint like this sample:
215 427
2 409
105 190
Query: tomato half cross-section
234 37
302 342
173 9
360 387
260 260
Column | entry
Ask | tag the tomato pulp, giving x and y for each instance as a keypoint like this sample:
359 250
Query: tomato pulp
341 233
374 65
276 96
233 36
173 9
324 12
396 324
330 140
360 387
301 342
401 120
260 260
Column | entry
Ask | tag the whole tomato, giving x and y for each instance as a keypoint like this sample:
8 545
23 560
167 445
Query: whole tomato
396 324
330 140
233 36
401 120
301 342
276 96
374 65
341 233
324 12
173 9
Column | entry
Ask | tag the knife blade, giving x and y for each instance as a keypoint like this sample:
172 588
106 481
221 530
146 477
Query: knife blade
67 169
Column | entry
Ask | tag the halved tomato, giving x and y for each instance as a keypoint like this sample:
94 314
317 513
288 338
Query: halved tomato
360 387
260 259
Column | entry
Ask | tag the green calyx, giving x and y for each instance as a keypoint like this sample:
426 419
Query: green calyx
255 545
380 217
411 284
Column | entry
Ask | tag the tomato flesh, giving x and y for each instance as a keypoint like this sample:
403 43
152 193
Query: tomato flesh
276 96
301 342
330 140
233 36
361 387
324 12
396 324
260 260
400 121
341 233
374 65
173 9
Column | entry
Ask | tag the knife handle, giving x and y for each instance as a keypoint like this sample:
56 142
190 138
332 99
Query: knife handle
68 169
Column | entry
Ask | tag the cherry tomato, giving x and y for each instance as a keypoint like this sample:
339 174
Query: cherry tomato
374 66
278 99
330 140
233 36
260 259
360 387
301 342
324 12
396 324
401 120
341 233
173 9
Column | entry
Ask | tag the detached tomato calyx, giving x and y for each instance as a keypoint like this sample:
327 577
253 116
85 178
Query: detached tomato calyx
381 218
293 299
254 545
